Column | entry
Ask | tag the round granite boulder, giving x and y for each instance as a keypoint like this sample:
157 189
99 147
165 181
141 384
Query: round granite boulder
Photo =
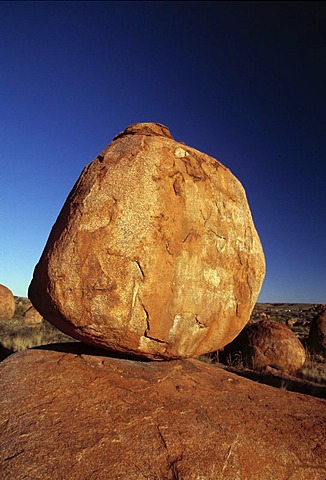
267 344
154 253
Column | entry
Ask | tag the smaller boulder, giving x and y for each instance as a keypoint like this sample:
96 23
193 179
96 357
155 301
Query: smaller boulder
317 333
267 344
290 322
7 303
32 315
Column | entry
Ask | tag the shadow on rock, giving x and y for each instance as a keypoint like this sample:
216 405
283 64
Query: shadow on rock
80 348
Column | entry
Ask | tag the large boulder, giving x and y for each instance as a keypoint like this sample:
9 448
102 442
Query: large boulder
7 303
154 252
267 344
84 416
317 333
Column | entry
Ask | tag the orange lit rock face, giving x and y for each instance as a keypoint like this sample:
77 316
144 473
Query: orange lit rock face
154 252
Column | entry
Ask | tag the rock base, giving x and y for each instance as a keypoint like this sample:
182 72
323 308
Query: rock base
79 415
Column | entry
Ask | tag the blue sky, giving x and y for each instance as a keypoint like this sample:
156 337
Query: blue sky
241 81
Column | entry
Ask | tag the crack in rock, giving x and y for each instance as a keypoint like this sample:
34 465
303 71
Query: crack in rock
14 455
210 230
172 463
191 234
199 323
178 183
140 268
148 328
231 448
146 334
204 217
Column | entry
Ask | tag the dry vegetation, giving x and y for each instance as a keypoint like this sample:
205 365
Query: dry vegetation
18 334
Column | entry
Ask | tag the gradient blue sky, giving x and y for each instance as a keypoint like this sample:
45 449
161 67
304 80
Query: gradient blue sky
244 82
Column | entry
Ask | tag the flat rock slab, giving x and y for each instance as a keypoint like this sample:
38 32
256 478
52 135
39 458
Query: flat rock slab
83 416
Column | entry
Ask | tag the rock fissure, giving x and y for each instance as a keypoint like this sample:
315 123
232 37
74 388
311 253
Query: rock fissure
178 181
191 234
199 323
14 455
172 463
229 453
173 467
206 218
146 317
147 335
210 230
140 269
161 437
62 358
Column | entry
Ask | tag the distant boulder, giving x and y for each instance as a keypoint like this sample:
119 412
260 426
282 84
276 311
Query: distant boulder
7 303
317 333
32 315
267 344
290 322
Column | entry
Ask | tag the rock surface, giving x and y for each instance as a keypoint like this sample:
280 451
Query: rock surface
32 315
88 417
268 344
154 252
317 333
7 303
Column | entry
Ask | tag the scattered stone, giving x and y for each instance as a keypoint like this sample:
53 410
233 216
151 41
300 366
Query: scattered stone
290 322
268 344
154 253
84 416
7 303
317 333
32 315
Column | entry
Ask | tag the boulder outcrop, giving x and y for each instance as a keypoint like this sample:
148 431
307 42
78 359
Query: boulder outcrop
154 253
7 303
268 344
84 416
